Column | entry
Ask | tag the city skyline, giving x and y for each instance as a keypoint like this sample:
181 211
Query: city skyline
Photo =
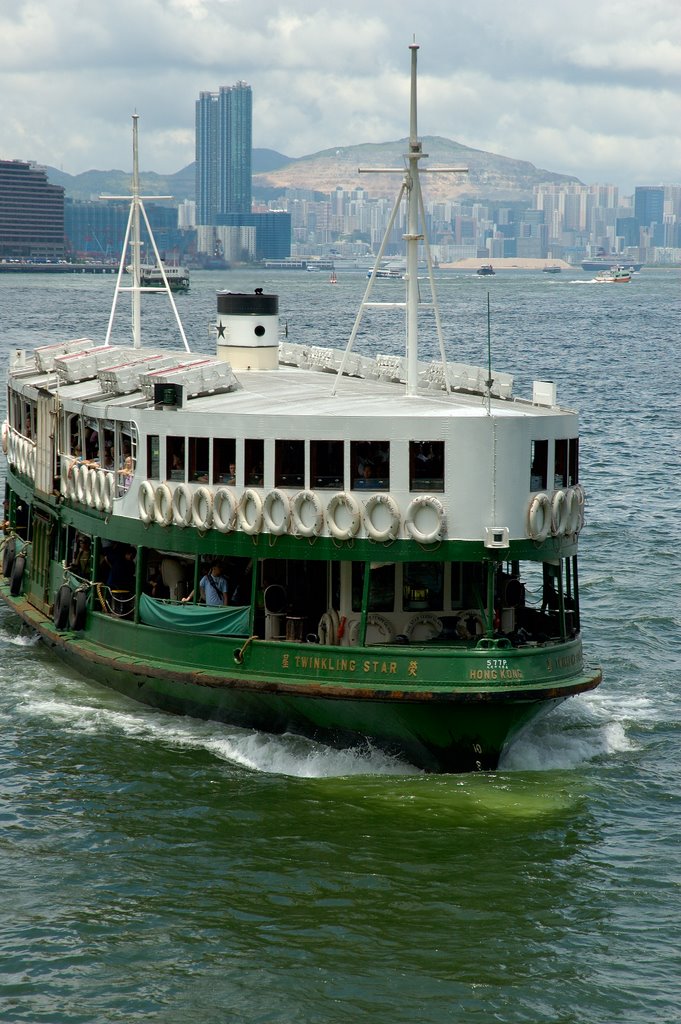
594 95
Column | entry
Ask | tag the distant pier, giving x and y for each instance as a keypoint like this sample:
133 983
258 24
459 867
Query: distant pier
28 267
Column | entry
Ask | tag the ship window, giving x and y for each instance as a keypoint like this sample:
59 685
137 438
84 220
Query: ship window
422 586
126 455
560 469
326 464
153 457
539 465
381 587
426 465
370 462
198 459
573 461
175 458
254 458
91 440
289 463
224 460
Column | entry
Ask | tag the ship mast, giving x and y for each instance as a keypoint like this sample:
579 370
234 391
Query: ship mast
133 237
415 234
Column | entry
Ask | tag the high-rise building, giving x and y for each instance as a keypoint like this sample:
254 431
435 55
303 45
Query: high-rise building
31 213
224 122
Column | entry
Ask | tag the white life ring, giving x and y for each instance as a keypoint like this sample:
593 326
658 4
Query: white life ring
20 453
575 515
90 481
343 516
250 512
5 436
224 510
423 628
182 505
30 460
464 622
10 453
146 502
559 513
202 508
379 630
64 476
381 517
163 505
425 519
276 510
303 525
81 482
72 478
539 517
109 490
99 490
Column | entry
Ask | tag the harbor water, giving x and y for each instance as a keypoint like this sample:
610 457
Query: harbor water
159 869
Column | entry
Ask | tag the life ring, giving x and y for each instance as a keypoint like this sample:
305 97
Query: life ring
182 505
381 507
81 474
10 446
63 476
424 520
77 610
249 512
539 517
303 526
62 603
202 508
109 492
9 553
30 461
89 489
224 510
559 513
423 628
20 457
72 478
5 436
146 502
381 630
17 575
99 489
574 500
469 626
343 516
276 510
163 505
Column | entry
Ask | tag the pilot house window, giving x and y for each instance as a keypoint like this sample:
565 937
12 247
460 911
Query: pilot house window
370 462
426 466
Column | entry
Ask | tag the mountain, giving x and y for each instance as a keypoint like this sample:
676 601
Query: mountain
180 185
490 177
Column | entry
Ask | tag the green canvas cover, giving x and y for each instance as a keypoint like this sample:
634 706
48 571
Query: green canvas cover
195 618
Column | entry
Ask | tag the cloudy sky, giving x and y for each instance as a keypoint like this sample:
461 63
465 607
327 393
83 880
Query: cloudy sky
590 88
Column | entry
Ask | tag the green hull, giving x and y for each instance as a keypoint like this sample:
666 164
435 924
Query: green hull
444 710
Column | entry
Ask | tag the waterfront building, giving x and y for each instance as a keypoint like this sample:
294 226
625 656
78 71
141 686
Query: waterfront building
31 213
224 122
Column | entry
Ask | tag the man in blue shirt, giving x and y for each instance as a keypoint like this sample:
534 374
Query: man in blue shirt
213 588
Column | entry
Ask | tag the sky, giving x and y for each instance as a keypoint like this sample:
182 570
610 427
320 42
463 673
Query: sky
590 88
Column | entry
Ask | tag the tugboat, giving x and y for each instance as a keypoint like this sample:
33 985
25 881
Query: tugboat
293 538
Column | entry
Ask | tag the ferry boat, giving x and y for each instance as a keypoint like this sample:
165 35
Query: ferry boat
615 275
151 276
293 538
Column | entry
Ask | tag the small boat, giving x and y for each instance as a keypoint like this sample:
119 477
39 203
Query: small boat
289 537
551 268
615 275
333 279
486 270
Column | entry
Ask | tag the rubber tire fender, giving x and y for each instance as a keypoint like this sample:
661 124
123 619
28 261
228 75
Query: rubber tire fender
77 610
62 603
17 575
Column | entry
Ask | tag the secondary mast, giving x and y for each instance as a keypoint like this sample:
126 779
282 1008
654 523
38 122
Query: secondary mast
133 237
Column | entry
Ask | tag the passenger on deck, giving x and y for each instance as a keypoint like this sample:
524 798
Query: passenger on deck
213 588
